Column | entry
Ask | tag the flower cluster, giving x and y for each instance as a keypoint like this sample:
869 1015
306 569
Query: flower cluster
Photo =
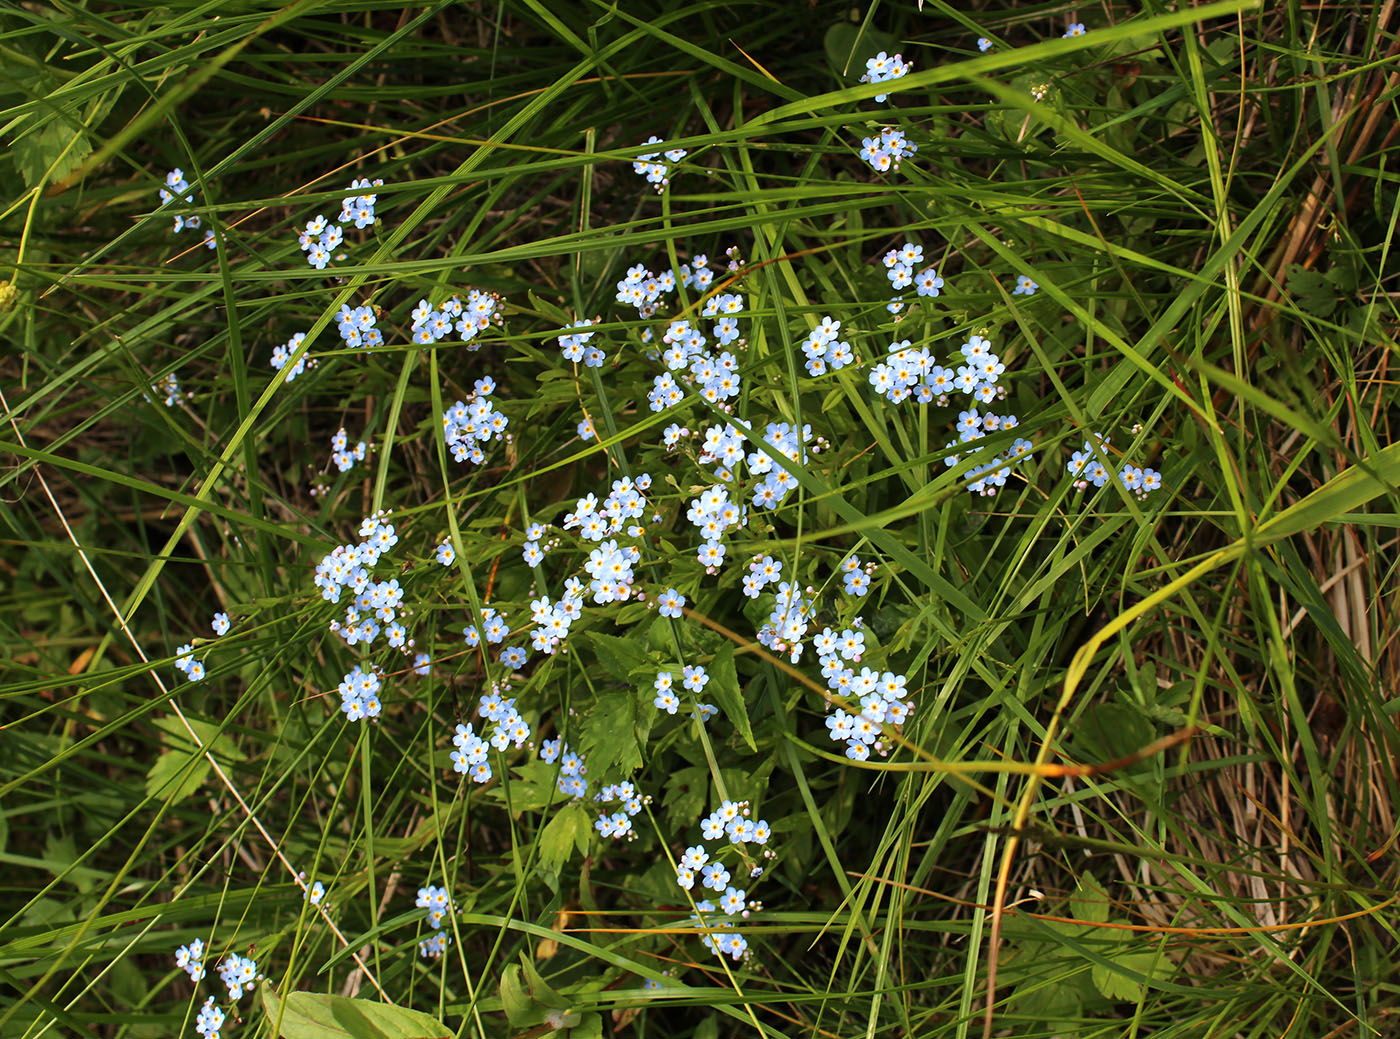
506 729
186 663
731 820
856 577
320 238
552 620
1093 465
778 482
596 520
619 824
880 695
899 268
238 973
437 904
532 553
882 68
469 754
342 455
574 343
883 153
763 571
824 349
697 274
493 623
169 388
640 288
375 606
658 174
210 1020
356 326
787 622
359 209
694 678
190 959
571 766
986 478
175 190
432 324
469 424
359 693
610 567
283 354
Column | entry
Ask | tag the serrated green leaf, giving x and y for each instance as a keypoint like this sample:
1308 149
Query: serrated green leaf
184 763
317 1015
533 787
685 795
1089 901
51 153
1109 731
1133 968
568 830
610 733
724 687
1311 290
617 654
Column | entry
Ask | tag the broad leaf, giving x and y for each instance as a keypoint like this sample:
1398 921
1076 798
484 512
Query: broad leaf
184 758
610 733
724 687
316 1015
568 830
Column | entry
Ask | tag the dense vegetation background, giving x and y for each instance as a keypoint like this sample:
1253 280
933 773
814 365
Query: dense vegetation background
1143 779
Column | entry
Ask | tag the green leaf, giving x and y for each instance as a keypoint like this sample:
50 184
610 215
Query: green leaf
549 310
316 1015
1131 961
519 1008
577 1026
685 795
610 733
533 787
528 999
568 830
847 46
1311 290
620 656
540 989
1089 901
55 151
1047 1000
184 762
724 687
1109 731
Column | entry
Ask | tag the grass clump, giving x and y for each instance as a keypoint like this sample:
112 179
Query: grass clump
706 520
